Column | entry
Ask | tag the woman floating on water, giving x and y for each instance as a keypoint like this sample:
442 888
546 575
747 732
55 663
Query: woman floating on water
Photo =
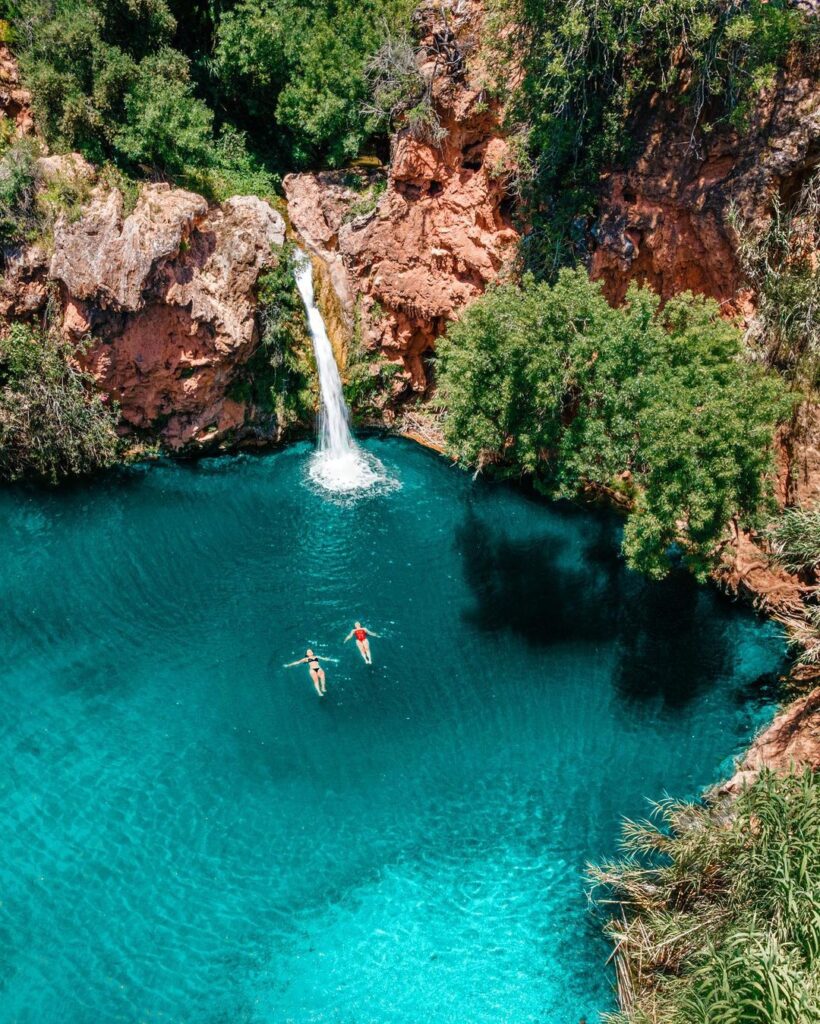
317 673
362 642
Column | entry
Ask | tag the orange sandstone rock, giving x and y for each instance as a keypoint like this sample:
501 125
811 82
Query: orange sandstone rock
165 299
441 232
664 219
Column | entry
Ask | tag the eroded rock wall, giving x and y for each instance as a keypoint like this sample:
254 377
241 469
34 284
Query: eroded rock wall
664 220
163 303
442 230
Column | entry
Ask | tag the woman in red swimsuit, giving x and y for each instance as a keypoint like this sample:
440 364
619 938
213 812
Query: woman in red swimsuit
362 642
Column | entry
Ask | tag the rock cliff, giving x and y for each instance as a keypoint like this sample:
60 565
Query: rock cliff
664 219
441 231
163 302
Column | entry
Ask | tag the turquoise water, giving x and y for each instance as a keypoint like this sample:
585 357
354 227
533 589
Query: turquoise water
191 835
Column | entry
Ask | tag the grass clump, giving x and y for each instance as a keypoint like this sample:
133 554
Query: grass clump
718 909
53 422
658 404
781 264
795 539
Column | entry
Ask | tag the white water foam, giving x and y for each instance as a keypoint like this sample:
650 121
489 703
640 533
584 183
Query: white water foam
339 464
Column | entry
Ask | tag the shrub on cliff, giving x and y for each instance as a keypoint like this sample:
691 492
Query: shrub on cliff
656 404
278 377
53 424
165 86
302 68
591 65
720 910
107 82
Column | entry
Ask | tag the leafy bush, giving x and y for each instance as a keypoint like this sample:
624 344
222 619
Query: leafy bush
721 910
301 67
161 86
278 376
781 263
590 66
30 206
108 82
18 214
551 381
53 424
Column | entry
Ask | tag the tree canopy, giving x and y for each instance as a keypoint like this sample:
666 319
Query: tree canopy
655 403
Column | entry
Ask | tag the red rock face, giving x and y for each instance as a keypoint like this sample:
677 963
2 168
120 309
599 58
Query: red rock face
790 743
15 101
438 236
164 301
664 220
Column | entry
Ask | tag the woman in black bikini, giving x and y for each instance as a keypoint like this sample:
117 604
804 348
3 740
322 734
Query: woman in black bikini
317 673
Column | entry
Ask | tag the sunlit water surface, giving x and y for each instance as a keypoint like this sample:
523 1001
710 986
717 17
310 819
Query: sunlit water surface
190 835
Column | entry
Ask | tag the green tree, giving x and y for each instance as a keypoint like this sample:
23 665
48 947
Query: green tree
656 404
107 82
53 423
284 64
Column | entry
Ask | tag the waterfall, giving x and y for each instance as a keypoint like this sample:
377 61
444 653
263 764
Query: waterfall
339 463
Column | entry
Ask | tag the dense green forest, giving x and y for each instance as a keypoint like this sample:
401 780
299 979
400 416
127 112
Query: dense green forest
226 96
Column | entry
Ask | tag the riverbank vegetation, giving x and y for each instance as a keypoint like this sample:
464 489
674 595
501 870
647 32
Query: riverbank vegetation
717 909
591 69
224 97
654 405
54 424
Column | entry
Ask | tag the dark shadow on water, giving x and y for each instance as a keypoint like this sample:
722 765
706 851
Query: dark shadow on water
672 642
671 639
523 586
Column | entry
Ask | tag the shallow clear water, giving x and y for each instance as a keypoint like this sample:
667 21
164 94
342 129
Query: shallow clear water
191 835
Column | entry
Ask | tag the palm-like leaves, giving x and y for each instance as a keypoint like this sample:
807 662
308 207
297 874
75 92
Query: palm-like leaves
720 910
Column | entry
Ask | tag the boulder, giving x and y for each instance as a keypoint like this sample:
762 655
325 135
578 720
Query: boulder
163 301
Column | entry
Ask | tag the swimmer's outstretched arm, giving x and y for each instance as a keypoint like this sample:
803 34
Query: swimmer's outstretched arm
371 633
349 635
301 661
324 657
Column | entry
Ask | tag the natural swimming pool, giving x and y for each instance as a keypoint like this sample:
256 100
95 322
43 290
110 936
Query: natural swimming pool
190 835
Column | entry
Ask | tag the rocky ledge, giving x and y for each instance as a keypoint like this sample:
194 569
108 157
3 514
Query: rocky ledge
165 300
791 742
442 229
160 302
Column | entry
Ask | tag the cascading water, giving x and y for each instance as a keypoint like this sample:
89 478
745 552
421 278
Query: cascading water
339 463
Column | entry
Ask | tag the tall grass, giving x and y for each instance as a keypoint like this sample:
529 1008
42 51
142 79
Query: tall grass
717 909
